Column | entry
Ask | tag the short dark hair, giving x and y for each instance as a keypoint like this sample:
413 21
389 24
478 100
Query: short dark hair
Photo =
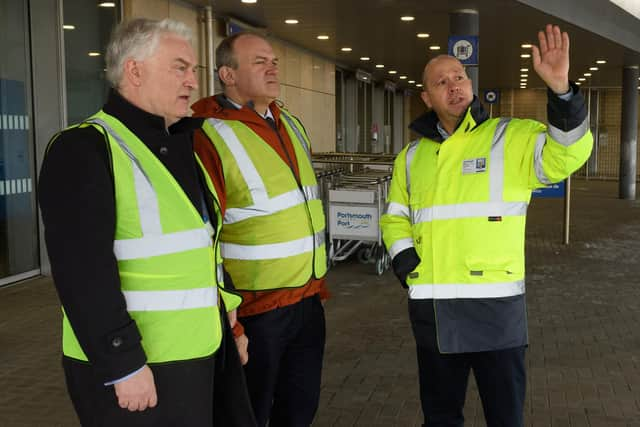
224 52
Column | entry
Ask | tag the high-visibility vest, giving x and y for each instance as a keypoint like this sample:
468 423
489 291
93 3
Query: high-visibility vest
274 229
170 268
462 205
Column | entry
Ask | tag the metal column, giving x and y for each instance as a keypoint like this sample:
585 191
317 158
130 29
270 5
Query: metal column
629 133
466 22
210 59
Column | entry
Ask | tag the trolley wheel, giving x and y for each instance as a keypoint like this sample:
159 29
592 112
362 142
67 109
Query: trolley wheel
362 255
366 255
380 266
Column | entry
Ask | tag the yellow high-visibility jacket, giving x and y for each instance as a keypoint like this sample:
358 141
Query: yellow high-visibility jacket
455 220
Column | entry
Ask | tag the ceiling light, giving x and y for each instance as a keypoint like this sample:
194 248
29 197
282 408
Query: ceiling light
630 6
601 61
593 68
94 53
581 79
525 55
364 58
419 85
249 1
524 75
69 27
291 21
346 49
393 72
524 70
365 78
578 83
323 37
523 80
107 4
407 18
403 77
587 74
412 81
379 65
434 47
422 35
525 46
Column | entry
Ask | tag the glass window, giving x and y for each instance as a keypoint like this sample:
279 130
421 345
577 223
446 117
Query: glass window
87 27
19 253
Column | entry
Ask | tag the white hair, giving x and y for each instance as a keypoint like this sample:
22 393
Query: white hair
138 39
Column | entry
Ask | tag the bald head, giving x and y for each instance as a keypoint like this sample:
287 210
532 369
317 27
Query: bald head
447 89
436 60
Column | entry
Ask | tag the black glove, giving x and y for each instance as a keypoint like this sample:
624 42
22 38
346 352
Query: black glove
404 263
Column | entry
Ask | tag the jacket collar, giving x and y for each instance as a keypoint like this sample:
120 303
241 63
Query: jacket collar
427 124
141 122
218 106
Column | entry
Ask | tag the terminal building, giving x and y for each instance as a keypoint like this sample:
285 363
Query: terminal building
352 72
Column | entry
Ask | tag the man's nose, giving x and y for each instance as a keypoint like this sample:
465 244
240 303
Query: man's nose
272 68
192 79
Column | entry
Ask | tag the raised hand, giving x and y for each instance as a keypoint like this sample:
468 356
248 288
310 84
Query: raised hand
551 60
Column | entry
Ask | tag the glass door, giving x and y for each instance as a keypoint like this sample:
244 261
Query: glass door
19 252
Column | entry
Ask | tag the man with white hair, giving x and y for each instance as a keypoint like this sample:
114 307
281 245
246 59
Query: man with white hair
132 230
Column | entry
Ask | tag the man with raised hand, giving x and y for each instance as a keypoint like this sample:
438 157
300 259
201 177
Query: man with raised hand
455 227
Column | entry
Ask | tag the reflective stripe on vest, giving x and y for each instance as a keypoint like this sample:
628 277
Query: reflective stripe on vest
273 250
220 273
466 290
494 207
155 243
295 130
262 204
171 300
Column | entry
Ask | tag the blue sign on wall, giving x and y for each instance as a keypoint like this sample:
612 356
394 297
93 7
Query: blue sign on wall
553 190
465 48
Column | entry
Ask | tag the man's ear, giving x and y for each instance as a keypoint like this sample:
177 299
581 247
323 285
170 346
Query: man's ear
425 98
133 72
227 75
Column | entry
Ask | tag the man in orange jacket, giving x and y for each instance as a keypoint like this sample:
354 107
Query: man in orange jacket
284 322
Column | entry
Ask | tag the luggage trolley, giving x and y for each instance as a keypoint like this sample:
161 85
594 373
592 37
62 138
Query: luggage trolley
356 203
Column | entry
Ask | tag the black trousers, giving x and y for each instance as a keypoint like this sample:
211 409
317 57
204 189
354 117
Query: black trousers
188 396
185 396
286 347
500 376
